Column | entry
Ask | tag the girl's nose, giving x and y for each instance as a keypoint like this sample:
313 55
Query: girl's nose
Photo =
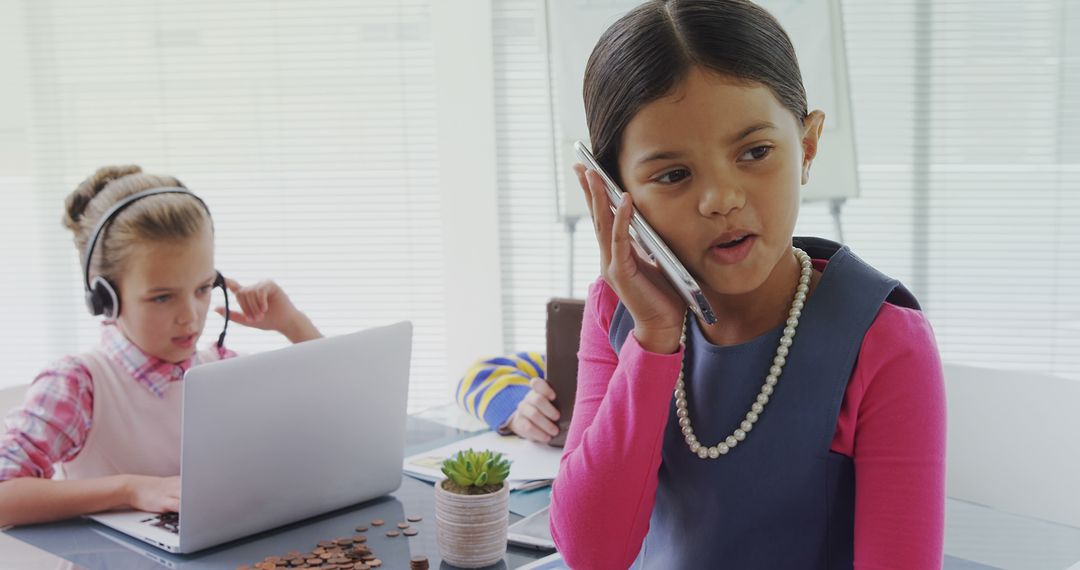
189 313
720 197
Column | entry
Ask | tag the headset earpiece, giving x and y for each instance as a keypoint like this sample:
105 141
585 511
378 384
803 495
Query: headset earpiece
102 299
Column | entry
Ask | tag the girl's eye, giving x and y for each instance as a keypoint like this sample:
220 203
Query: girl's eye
673 176
204 289
160 299
757 153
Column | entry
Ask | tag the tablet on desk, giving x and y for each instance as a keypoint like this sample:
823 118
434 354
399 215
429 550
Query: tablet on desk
532 532
552 562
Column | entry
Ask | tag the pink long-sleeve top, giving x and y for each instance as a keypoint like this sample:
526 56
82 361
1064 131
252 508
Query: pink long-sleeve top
55 421
891 423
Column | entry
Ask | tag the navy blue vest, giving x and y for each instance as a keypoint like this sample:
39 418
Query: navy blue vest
781 499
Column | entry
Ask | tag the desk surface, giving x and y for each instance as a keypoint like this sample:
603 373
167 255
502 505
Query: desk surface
976 537
82 544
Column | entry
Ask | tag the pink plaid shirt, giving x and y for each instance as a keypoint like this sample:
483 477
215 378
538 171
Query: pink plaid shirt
52 425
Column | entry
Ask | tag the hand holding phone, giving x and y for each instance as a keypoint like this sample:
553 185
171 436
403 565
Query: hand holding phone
646 238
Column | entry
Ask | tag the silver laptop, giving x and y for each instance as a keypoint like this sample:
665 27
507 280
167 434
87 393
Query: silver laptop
275 437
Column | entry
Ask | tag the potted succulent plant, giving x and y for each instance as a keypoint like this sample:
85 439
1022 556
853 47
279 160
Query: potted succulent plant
472 508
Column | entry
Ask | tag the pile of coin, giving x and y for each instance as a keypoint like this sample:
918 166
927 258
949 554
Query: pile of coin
348 553
339 554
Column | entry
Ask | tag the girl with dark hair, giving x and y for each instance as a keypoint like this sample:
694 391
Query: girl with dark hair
739 444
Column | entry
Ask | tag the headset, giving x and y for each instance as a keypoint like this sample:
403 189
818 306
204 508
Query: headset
101 294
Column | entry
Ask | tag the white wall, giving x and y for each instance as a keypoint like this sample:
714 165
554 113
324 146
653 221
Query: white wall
1014 442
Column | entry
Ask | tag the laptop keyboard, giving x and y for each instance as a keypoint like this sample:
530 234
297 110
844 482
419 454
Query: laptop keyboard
166 521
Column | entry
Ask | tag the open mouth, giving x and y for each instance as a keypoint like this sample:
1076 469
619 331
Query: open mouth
733 250
732 243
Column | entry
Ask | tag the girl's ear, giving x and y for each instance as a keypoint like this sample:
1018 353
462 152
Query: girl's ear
812 126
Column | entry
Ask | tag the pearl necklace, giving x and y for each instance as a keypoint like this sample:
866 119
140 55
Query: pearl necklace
773 377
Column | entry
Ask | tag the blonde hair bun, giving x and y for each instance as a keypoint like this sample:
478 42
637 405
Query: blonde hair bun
76 202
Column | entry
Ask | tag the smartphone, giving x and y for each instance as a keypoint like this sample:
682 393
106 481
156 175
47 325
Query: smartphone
648 240
564 318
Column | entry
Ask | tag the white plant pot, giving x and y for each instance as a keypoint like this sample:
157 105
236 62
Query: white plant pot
472 528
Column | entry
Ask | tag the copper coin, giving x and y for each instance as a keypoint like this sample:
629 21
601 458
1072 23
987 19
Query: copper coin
392 533
411 532
415 518
326 544
367 557
359 538
375 563
313 561
361 528
402 525
378 522
361 566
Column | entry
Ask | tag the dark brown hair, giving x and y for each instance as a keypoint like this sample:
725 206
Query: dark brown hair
647 53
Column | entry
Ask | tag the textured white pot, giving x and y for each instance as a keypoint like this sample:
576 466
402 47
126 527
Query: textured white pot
472 528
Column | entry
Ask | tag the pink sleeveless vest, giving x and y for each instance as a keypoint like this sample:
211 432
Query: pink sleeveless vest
133 431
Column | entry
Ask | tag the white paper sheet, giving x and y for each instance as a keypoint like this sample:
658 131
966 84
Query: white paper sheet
531 462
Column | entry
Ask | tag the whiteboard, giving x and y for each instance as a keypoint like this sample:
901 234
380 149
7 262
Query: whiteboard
816 30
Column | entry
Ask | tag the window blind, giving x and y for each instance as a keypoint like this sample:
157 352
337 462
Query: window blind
308 128
968 146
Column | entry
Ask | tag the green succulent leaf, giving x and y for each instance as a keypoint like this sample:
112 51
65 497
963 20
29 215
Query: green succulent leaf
472 468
